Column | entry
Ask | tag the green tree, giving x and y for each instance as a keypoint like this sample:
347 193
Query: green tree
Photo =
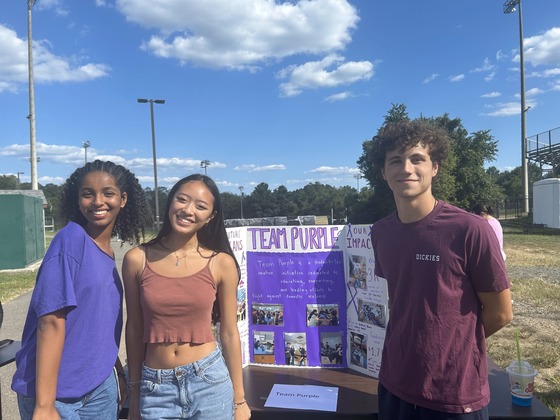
232 205
396 113
52 194
315 199
284 202
162 201
8 182
259 203
465 166
461 180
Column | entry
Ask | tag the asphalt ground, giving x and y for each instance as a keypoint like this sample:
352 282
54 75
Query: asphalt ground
15 312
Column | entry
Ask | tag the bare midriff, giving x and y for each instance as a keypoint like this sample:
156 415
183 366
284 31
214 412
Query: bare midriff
171 355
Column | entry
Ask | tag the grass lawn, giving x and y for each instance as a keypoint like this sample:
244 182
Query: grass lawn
533 263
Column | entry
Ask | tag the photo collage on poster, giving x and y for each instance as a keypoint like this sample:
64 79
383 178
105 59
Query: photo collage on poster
367 302
295 298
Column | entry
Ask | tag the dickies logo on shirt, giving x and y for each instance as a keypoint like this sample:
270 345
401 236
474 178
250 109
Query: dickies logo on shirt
427 257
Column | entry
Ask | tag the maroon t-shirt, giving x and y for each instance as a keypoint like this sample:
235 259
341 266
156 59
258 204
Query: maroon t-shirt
434 354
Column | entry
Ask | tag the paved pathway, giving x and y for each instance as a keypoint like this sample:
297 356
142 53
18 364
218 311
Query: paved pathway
15 312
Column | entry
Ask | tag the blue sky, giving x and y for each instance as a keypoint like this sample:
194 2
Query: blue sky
282 92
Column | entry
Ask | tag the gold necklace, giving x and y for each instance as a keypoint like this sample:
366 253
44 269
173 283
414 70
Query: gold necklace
179 258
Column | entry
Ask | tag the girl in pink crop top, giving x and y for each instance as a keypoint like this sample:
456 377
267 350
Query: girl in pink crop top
176 285
180 312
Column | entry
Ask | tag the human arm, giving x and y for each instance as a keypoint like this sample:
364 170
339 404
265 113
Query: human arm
133 264
121 378
229 334
51 330
496 310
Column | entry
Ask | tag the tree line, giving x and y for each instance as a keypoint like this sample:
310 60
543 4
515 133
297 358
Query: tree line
462 180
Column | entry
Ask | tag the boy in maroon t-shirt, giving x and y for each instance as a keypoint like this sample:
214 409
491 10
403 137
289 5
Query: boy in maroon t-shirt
448 287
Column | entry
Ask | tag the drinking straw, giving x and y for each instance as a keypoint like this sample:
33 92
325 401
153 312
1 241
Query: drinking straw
518 349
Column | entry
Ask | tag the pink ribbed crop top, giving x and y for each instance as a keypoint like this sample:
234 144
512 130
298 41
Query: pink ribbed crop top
177 309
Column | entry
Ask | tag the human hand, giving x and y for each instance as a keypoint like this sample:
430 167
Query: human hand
134 414
242 411
46 413
123 391
134 405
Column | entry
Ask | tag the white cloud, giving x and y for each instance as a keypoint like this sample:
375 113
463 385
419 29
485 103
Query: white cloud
241 34
47 68
339 97
485 67
533 92
255 168
55 5
44 180
545 73
430 78
543 49
334 170
503 109
74 156
490 76
491 95
331 71
507 109
456 78
500 56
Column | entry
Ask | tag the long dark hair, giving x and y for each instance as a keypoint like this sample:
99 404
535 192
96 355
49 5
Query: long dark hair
480 208
212 236
131 219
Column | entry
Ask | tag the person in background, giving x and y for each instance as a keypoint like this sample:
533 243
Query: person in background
172 283
487 213
68 365
447 283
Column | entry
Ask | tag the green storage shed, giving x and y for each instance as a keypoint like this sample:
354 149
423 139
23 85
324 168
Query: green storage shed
22 228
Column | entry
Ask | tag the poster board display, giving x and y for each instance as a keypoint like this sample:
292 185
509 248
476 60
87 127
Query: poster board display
310 296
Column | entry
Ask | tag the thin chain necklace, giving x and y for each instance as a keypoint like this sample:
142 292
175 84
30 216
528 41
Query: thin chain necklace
179 258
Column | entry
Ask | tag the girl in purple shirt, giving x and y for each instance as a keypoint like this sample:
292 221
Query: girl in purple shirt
68 365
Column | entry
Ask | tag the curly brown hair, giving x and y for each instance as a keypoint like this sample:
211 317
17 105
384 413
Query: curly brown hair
404 135
132 218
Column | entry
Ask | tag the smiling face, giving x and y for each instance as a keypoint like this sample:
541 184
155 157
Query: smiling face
100 200
409 174
192 207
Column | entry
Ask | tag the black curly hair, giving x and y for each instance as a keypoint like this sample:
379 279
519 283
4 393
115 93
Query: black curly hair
131 219
403 135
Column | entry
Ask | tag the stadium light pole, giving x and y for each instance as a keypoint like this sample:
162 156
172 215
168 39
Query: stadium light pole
85 145
18 174
241 189
358 176
31 116
152 101
204 164
509 7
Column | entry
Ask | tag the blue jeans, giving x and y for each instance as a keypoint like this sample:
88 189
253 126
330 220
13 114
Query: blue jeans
200 390
101 403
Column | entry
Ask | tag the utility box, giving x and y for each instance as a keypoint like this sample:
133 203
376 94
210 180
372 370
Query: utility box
546 202
22 231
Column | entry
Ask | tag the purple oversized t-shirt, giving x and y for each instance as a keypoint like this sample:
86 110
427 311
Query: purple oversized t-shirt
77 276
434 354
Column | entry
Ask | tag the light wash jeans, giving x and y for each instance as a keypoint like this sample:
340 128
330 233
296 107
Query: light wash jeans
101 403
201 390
